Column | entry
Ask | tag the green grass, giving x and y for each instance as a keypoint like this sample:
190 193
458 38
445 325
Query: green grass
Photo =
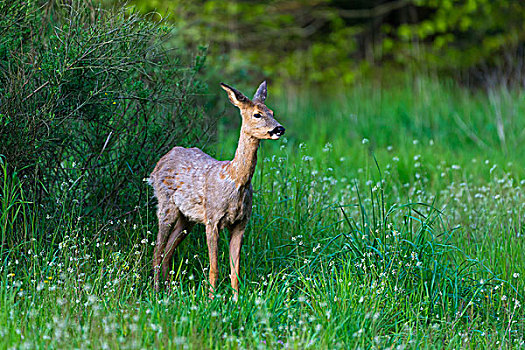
387 217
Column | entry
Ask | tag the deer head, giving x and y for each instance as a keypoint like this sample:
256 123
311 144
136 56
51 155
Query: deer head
257 119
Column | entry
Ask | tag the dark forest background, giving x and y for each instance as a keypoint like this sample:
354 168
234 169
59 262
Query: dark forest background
329 41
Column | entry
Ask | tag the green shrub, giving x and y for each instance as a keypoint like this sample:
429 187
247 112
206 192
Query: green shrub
90 99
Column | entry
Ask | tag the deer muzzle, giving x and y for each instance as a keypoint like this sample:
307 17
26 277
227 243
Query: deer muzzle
276 132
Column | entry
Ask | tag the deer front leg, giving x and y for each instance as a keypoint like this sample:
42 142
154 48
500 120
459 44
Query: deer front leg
237 233
212 238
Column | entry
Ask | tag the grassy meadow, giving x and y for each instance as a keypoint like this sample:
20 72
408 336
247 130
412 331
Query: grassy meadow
387 217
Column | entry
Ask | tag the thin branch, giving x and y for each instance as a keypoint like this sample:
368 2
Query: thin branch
37 90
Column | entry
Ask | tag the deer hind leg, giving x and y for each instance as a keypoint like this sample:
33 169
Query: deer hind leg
167 218
179 233
237 233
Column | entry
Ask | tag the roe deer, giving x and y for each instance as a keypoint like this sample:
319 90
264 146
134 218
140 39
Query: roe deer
192 187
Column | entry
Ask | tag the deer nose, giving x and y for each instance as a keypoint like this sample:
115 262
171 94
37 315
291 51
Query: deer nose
277 131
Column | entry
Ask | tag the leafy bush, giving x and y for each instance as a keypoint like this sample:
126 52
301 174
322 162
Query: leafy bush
90 99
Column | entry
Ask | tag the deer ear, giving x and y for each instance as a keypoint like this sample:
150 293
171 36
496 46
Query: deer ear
260 94
236 97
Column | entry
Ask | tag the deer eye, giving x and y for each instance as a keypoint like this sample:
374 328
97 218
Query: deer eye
257 115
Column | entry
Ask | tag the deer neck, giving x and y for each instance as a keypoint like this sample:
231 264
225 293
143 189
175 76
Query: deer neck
243 164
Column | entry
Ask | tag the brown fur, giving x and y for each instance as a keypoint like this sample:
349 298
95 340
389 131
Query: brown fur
192 187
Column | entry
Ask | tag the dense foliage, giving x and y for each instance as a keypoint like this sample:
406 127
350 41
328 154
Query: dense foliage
306 41
89 99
